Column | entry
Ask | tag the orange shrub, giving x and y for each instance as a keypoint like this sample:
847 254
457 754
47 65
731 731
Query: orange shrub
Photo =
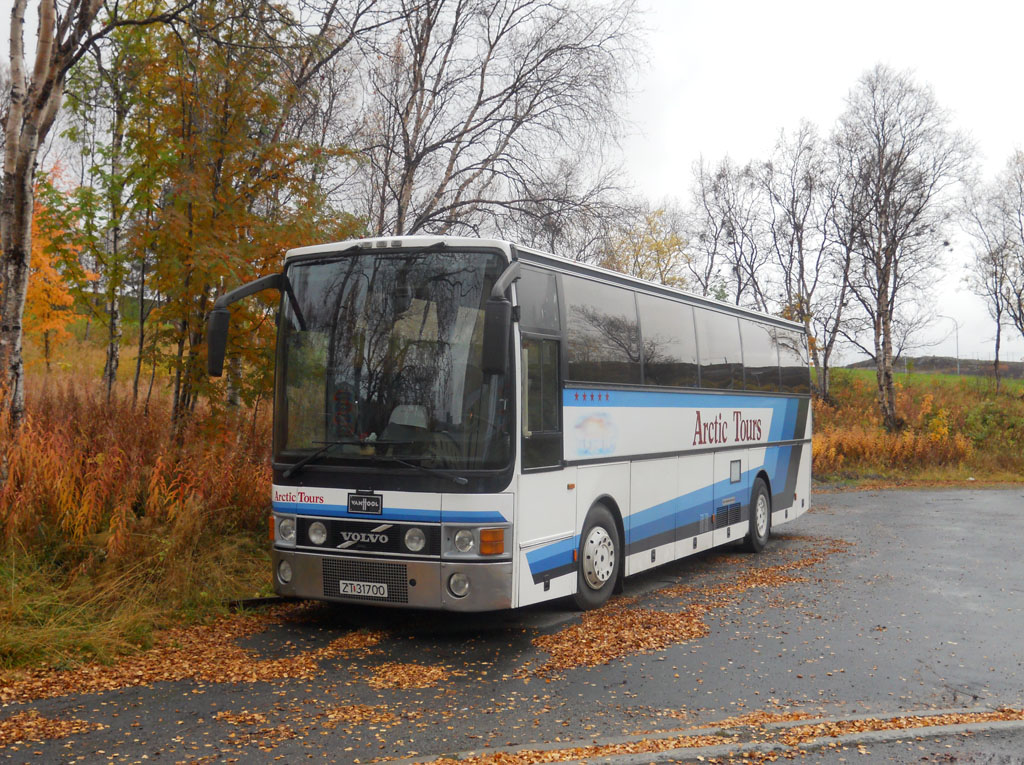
951 423
80 469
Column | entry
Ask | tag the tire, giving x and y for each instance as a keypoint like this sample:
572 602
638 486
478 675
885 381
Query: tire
760 517
599 562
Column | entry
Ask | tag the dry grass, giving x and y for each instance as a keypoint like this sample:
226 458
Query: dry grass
956 429
113 528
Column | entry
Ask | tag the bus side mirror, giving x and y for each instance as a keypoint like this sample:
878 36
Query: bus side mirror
497 326
220 317
217 340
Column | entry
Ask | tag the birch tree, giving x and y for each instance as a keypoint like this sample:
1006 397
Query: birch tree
471 97
903 160
998 230
727 234
66 31
810 251
651 248
989 224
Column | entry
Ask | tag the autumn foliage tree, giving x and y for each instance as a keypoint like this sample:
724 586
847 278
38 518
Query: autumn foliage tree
48 300
210 149
66 31
652 249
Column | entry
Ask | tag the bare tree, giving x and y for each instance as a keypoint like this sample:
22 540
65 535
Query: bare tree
472 95
66 32
706 232
902 159
811 260
1005 257
572 211
726 234
988 220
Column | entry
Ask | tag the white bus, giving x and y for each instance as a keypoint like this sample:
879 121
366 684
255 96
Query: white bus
469 425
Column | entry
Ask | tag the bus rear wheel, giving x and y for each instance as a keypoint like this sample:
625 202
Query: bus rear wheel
760 517
600 559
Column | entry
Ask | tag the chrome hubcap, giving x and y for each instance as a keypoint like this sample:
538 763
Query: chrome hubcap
598 558
761 516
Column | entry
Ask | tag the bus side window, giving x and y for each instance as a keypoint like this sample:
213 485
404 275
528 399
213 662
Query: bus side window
795 367
538 301
721 360
602 332
760 356
542 433
669 343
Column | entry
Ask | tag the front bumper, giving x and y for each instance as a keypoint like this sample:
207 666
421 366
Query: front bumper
410 583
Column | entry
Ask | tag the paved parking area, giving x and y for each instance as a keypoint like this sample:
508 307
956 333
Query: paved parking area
874 604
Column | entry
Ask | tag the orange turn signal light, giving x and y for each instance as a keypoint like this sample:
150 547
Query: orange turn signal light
492 541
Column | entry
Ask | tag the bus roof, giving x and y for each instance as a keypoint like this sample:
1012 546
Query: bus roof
418 240
530 255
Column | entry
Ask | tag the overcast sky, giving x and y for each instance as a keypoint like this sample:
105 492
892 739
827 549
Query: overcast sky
726 77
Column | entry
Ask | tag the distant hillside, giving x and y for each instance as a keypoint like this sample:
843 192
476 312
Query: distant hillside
947 365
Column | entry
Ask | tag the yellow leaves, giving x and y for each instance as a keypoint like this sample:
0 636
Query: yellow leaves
185 653
837 449
32 726
616 629
805 733
48 300
357 714
652 250
244 717
396 675
938 426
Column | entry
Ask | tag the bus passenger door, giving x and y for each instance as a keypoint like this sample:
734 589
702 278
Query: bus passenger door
732 495
546 513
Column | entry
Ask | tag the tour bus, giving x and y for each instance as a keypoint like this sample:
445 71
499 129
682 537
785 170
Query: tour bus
471 425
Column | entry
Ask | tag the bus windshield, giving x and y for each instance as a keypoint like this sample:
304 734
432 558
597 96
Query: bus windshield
382 362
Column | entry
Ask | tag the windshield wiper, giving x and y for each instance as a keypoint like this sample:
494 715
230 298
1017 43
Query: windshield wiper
327 446
460 480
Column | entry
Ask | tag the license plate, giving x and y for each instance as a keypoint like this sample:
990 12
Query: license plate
366 504
364 589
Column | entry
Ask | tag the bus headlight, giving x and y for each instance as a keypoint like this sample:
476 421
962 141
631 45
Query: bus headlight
284 572
286 529
464 541
475 542
415 539
458 584
317 533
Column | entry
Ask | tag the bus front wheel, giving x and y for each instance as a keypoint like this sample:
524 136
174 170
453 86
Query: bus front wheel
599 559
760 517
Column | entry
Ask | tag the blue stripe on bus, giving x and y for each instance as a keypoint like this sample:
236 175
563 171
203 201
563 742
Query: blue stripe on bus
680 511
671 514
393 514
577 397
783 427
555 555
471 516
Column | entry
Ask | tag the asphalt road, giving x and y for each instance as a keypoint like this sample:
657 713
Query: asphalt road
875 604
